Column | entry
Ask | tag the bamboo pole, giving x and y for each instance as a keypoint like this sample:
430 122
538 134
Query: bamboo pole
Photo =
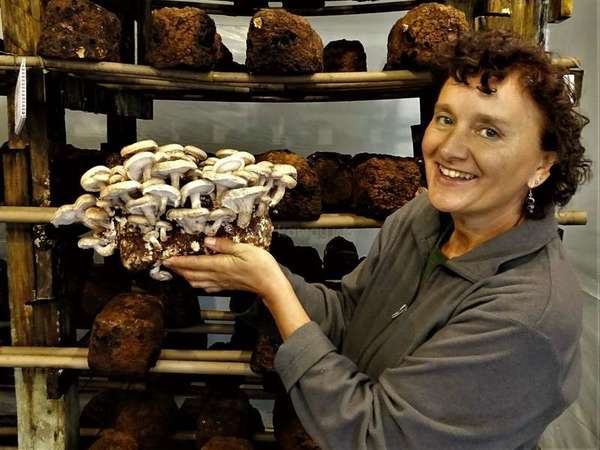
24 214
265 436
162 366
9 62
210 314
180 355
122 70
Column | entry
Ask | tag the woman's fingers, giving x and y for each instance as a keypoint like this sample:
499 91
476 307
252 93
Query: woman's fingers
200 262
221 245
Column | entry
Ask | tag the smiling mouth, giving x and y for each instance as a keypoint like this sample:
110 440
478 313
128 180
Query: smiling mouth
455 174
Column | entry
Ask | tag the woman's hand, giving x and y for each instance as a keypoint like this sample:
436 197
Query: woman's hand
244 267
240 267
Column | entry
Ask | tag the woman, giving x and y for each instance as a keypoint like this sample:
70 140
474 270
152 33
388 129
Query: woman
460 329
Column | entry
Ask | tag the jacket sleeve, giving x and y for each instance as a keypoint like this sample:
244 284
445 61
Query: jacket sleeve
330 308
475 384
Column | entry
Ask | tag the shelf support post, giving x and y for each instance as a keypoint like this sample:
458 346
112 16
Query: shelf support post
42 423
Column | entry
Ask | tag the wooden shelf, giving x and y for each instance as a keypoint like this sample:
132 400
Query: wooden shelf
331 8
150 83
231 86
39 215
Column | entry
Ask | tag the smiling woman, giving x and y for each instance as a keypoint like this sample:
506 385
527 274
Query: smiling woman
460 329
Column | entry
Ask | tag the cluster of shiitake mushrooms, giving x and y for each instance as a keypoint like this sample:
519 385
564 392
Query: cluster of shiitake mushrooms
159 188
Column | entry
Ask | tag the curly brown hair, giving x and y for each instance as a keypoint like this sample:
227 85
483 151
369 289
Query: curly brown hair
492 55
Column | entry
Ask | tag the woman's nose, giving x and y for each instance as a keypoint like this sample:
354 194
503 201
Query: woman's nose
455 146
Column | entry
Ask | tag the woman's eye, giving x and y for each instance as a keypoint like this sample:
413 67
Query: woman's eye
488 133
443 120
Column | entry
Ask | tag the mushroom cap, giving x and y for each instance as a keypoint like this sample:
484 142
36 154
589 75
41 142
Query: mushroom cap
90 242
152 182
224 152
259 169
166 168
250 177
118 189
141 146
268 164
136 164
119 169
192 213
167 191
173 155
94 179
289 181
96 214
170 148
193 174
236 197
221 213
164 224
202 187
104 204
117 174
140 221
229 164
210 161
137 205
65 215
280 170
84 201
227 180
208 171
196 152
247 157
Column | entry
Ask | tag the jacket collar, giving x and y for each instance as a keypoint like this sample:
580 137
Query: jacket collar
484 260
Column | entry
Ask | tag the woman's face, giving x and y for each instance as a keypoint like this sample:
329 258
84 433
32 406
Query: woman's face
483 152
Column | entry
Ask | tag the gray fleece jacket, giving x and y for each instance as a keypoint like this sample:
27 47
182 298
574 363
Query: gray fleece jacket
484 355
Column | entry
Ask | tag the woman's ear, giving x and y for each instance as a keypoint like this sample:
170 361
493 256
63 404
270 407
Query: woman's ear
542 172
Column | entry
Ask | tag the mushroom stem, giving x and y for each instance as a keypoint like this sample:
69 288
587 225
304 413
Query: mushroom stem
175 177
151 237
125 197
163 234
195 199
163 206
149 214
263 206
278 195
147 174
220 192
245 215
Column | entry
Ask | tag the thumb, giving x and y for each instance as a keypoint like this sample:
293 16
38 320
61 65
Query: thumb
220 245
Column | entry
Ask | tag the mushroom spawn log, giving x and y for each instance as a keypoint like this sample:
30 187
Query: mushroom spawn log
140 207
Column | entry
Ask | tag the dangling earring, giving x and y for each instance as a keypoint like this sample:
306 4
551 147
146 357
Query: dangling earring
530 202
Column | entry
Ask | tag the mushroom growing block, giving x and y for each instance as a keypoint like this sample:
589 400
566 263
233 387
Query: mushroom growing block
344 56
183 37
304 201
281 43
383 183
79 29
126 335
335 178
416 39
